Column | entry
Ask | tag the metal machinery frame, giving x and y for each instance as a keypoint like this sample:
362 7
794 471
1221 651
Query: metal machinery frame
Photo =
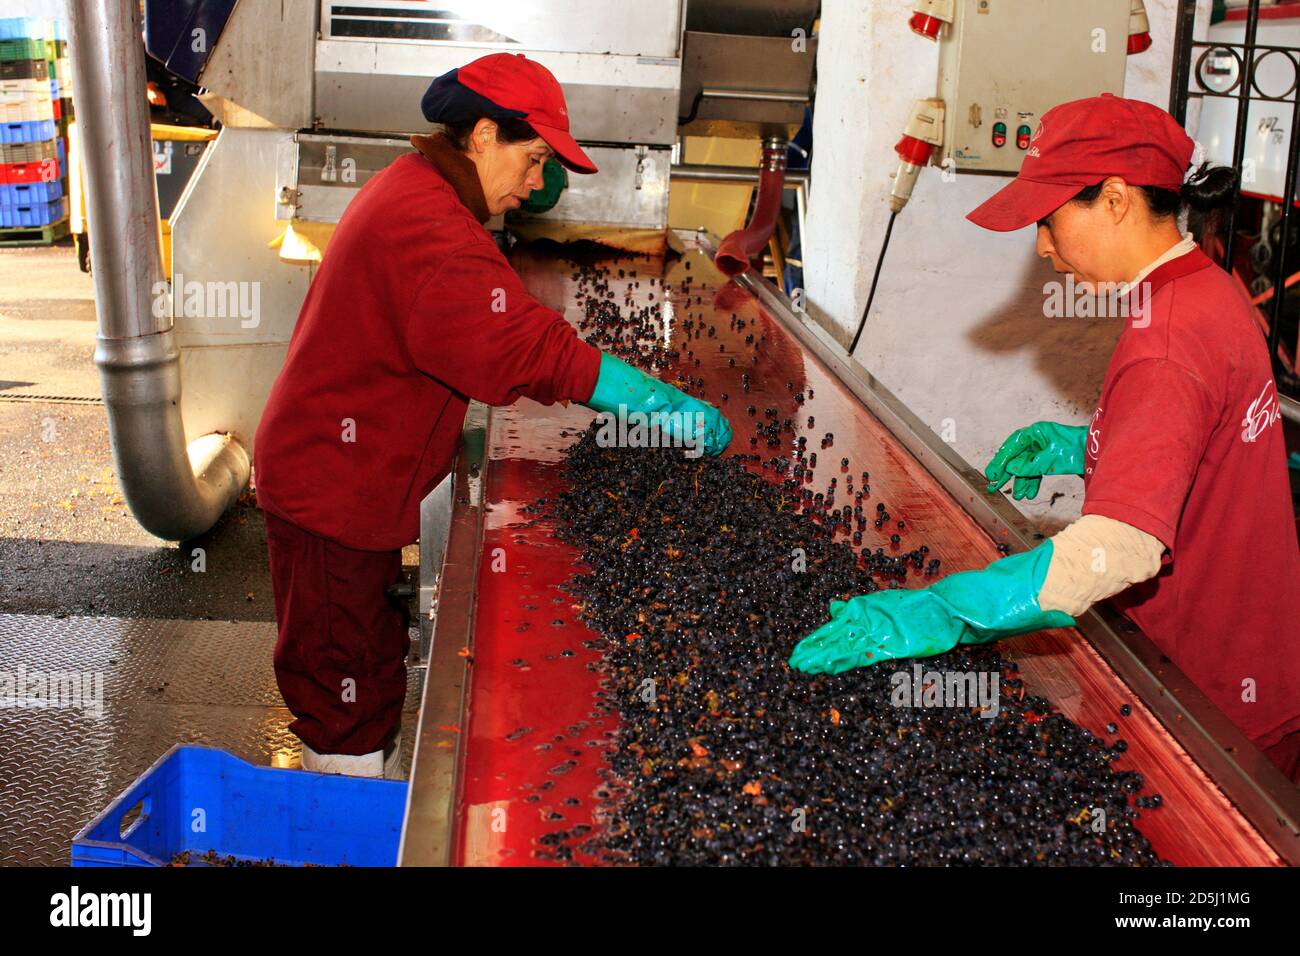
451 533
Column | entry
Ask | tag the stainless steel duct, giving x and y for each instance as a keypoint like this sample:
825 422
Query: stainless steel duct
175 492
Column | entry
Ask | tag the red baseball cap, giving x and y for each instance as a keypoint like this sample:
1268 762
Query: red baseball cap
524 86
1079 144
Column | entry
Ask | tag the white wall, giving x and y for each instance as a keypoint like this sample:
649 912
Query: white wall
33 8
957 329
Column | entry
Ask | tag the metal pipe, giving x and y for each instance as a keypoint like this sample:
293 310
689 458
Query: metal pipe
1290 408
703 173
761 96
1285 220
175 492
1184 28
801 210
1247 80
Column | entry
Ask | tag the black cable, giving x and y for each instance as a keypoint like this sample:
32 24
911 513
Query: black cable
695 109
874 280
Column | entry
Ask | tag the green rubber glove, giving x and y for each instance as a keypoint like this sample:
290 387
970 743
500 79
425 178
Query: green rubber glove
971 607
1043 448
696 423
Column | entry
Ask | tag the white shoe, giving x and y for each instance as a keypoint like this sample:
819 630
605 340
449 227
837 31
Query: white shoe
393 760
379 763
353 765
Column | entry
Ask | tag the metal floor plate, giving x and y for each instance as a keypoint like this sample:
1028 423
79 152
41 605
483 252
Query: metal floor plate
164 682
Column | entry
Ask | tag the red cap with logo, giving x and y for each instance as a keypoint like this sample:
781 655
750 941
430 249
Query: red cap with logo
1080 144
514 82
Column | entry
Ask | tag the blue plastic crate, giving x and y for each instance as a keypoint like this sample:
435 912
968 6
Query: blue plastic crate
32 214
27 194
28 28
61 149
29 131
249 812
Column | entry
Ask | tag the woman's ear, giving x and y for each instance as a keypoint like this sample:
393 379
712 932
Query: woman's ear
485 132
1118 197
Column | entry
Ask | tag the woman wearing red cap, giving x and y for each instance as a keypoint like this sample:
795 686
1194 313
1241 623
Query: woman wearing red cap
414 312
1187 518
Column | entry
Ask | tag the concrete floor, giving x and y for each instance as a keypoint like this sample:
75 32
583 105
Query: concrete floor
69 544
185 657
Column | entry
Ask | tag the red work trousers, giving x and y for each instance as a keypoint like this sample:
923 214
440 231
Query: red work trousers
340 658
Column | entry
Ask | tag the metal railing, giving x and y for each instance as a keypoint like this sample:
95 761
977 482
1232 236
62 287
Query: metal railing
1195 59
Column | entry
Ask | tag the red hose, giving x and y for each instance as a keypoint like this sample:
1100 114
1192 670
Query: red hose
736 251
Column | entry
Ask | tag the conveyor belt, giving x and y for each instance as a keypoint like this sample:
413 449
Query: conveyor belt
532 730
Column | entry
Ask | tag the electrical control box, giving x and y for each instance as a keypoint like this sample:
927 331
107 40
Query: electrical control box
1003 63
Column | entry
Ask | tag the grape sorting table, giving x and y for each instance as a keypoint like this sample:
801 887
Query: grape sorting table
513 731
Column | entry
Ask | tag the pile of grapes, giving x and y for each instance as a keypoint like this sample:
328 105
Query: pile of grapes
702 578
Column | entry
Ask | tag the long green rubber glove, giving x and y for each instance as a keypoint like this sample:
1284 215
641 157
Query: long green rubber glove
696 423
971 607
1043 448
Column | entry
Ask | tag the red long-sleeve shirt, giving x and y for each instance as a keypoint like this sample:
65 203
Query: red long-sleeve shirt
413 312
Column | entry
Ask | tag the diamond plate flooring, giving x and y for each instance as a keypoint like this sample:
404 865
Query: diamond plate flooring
164 682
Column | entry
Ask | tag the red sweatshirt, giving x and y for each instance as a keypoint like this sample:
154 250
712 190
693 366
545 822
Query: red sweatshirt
414 312
1186 444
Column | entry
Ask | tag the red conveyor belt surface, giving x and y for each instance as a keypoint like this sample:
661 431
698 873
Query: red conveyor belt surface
535 733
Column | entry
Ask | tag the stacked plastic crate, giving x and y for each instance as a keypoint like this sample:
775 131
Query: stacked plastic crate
35 107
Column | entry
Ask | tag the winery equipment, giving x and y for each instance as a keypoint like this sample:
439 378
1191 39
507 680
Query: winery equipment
512 727
315 98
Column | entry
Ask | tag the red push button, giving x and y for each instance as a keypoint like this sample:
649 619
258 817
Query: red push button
1022 137
999 134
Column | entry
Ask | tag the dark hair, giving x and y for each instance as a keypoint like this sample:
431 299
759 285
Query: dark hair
1208 188
509 130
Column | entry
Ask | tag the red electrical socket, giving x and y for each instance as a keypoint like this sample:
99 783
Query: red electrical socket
929 16
1139 28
